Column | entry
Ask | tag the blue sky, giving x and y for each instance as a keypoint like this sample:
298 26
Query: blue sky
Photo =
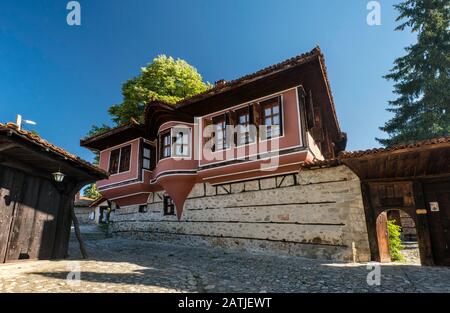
66 77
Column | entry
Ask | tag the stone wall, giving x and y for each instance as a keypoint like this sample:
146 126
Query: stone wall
316 213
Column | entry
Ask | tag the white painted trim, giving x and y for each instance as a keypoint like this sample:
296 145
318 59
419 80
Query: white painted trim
172 154
160 130
252 155
248 102
247 162
159 176
282 121
120 156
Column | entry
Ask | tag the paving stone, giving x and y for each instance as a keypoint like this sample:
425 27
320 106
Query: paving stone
124 265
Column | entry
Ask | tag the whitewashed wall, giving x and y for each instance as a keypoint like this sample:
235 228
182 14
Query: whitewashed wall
316 213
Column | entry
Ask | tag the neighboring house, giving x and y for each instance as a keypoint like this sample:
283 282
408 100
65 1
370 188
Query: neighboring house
91 211
35 205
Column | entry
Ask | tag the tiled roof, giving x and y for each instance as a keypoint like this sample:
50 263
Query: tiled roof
356 154
226 85
105 133
37 140
320 163
417 144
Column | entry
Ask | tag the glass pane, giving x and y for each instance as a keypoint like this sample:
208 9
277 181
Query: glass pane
146 164
114 161
125 159
276 120
267 111
268 121
276 109
146 153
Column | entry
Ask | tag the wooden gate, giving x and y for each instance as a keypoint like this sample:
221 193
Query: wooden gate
437 195
32 212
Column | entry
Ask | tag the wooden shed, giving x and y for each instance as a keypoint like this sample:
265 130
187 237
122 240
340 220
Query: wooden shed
35 209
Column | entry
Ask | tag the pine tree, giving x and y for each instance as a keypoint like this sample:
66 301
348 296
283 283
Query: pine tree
422 76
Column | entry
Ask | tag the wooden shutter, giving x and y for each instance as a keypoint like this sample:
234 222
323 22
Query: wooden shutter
208 122
257 114
310 111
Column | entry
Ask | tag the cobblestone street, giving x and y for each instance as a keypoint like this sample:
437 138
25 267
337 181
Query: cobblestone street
123 265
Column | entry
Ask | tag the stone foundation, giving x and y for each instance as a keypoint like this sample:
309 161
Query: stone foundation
316 214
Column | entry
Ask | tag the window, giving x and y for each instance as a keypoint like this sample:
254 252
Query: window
271 117
244 120
146 157
119 160
220 130
114 161
181 142
125 154
169 206
143 208
165 145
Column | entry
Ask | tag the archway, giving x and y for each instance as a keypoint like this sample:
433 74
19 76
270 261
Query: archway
407 243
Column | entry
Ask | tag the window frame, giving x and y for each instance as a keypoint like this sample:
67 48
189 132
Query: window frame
163 146
119 161
186 131
263 105
146 146
249 138
143 208
225 143
167 206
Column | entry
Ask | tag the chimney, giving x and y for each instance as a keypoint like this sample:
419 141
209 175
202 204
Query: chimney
220 83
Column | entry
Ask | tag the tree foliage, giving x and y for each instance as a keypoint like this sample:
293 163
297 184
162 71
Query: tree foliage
395 242
165 79
421 77
91 192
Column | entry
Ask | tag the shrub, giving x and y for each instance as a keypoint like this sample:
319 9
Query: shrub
395 243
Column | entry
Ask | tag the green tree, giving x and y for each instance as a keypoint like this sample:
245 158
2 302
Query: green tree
91 192
421 77
165 79
395 242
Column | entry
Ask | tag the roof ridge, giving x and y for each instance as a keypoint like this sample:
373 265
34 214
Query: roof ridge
35 138
316 51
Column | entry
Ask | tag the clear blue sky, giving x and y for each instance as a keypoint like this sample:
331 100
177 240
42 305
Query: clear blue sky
65 78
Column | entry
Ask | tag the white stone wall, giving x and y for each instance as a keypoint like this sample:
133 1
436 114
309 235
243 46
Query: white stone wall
316 213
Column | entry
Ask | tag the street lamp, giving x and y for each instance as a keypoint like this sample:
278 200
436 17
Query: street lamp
58 176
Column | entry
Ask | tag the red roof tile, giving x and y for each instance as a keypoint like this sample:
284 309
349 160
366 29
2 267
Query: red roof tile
37 140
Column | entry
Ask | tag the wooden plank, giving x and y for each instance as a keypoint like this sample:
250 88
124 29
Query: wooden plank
41 244
15 195
6 209
370 222
383 238
24 220
423 227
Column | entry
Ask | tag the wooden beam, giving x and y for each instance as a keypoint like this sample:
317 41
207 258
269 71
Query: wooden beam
7 146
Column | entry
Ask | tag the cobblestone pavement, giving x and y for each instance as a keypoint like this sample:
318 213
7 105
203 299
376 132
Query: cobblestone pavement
123 265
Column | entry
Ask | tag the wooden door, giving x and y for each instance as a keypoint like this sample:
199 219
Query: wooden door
10 192
28 216
383 238
437 197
